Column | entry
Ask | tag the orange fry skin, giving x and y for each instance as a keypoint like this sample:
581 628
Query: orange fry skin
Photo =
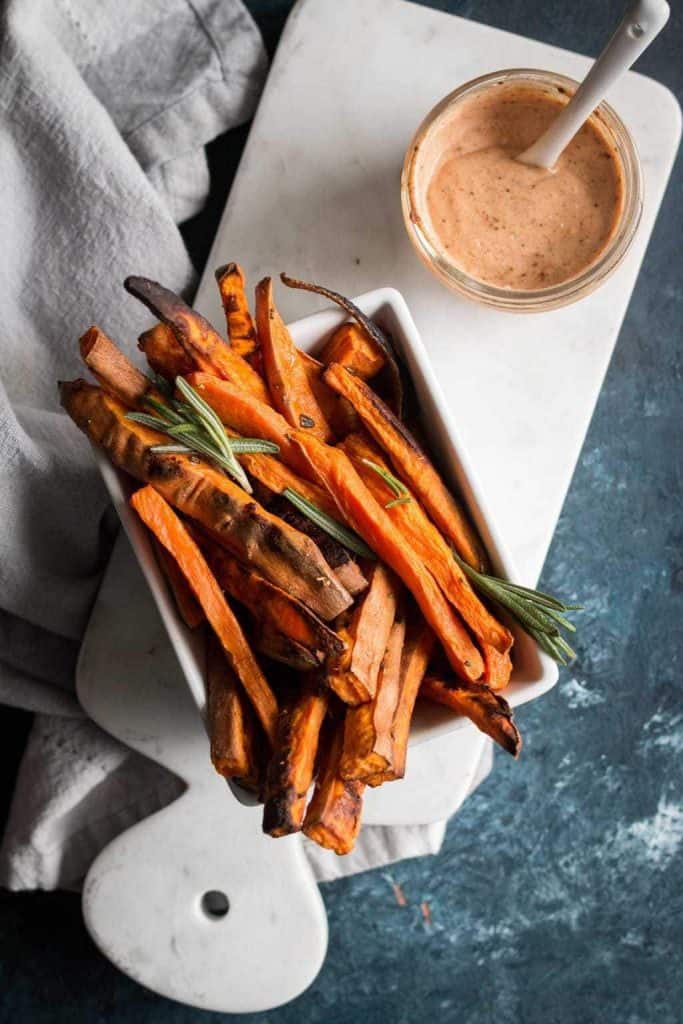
241 330
354 678
337 411
333 817
160 518
112 369
230 720
270 605
490 712
186 603
198 338
417 651
287 380
240 411
290 771
368 741
165 355
367 517
351 346
421 534
410 462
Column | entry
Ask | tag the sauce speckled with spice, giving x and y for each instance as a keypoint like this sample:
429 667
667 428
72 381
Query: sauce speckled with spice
508 224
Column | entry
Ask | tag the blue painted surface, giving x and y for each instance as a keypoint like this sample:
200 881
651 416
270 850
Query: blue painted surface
557 896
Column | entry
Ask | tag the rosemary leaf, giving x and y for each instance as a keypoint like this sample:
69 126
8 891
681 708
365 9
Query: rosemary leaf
171 449
398 501
163 385
252 446
196 428
538 597
182 429
166 412
393 483
147 421
540 615
335 529
550 647
561 620
215 429
564 646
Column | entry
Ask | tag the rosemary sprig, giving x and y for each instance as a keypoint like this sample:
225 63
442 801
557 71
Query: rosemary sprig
195 427
239 445
540 615
331 526
395 485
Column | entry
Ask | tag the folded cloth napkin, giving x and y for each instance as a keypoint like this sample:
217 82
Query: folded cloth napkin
104 114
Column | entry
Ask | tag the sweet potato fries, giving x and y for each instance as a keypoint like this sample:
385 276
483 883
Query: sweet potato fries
303 529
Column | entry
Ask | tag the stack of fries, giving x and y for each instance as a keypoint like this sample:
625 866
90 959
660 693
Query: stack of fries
299 522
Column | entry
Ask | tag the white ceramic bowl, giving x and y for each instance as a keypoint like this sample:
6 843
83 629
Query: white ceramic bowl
534 672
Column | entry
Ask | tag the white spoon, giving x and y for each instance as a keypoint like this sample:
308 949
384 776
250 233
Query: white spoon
643 21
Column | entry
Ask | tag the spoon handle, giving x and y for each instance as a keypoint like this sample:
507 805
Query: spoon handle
643 20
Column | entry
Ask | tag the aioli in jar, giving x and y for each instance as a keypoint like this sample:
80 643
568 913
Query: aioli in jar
508 224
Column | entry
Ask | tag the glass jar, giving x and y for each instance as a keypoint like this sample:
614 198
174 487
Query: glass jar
415 178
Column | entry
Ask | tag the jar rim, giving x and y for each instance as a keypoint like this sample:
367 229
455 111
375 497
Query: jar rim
552 296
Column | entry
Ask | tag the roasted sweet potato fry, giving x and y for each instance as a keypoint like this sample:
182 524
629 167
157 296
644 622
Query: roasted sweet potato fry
373 330
411 463
368 742
160 518
488 710
165 355
112 369
197 337
269 605
352 347
417 649
290 770
239 410
339 413
275 478
497 667
241 330
287 379
354 679
346 569
277 646
284 556
186 603
333 815
367 517
229 720
423 537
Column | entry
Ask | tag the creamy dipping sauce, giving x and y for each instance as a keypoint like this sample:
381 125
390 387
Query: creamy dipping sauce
508 224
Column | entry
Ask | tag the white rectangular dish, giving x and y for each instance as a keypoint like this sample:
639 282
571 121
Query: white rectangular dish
534 672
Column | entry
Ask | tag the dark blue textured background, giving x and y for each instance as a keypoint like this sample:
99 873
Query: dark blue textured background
557 896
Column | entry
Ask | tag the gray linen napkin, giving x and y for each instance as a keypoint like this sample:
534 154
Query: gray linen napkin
104 113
